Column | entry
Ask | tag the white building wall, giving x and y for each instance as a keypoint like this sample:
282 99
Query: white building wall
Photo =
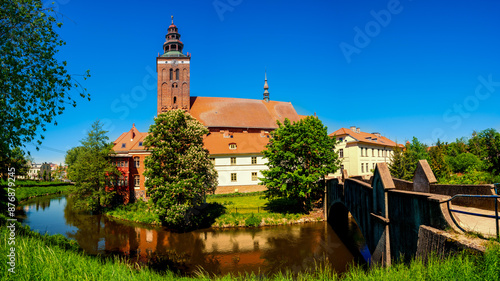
360 158
243 169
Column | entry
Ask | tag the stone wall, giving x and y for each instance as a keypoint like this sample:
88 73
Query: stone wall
403 185
437 242
480 189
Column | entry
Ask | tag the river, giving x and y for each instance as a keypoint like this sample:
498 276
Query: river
218 251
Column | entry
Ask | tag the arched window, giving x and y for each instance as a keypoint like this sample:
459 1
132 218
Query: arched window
175 100
137 162
177 74
171 74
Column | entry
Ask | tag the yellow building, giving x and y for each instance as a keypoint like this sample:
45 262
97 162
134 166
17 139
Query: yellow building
360 151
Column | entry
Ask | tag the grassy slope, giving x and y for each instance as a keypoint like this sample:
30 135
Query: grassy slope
26 192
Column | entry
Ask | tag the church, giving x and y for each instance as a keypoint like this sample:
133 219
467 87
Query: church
238 128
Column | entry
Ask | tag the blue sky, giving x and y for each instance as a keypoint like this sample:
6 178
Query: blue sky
402 68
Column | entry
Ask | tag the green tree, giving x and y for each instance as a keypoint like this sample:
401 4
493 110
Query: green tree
464 162
15 158
437 160
399 166
486 145
300 155
404 161
92 171
179 172
35 85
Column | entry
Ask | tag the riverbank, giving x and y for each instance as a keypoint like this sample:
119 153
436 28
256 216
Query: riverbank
44 257
240 210
26 190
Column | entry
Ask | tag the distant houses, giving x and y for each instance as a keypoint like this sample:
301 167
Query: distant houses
45 171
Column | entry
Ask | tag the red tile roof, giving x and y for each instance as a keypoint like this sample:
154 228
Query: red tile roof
364 137
131 139
241 113
246 143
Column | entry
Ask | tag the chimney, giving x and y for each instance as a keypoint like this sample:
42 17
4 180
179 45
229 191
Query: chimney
377 134
353 128
358 130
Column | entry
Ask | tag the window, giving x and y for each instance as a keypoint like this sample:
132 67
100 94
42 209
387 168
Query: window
233 160
171 74
177 74
341 167
367 168
140 143
175 100
362 151
232 146
233 177
254 160
373 152
123 145
340 139
137 162
137 181
373 166
362 167
341 153
379 153
254 176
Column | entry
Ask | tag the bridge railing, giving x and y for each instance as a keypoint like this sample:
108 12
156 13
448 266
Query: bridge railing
494 197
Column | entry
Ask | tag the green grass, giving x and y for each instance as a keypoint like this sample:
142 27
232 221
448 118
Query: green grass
20 183
137 212
243 204
44 257
26 192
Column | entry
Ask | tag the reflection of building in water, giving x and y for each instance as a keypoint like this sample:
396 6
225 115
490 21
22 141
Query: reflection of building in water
249 249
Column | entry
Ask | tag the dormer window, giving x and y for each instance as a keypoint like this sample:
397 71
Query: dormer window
232 146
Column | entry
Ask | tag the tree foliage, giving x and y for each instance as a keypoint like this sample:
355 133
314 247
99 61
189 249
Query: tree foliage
92 171
15 158
437 161
35 85
486 145
300 155
179 172
404 160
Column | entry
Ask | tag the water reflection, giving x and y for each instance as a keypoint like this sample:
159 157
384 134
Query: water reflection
264 250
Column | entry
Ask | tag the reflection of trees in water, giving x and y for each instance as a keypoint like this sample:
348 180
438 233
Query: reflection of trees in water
90 227
296 249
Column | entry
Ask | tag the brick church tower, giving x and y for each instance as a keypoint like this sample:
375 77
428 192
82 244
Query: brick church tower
173 73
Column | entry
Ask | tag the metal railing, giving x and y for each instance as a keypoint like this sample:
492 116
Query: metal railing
494 197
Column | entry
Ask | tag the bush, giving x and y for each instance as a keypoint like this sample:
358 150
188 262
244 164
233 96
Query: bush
252 221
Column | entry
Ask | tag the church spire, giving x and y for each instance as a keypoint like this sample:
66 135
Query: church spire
266 87
173 45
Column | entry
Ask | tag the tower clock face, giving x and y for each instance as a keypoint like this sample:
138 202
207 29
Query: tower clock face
174 62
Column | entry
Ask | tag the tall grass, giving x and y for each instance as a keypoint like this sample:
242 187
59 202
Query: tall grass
42 257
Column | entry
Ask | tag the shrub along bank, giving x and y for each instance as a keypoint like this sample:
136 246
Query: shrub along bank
235 210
